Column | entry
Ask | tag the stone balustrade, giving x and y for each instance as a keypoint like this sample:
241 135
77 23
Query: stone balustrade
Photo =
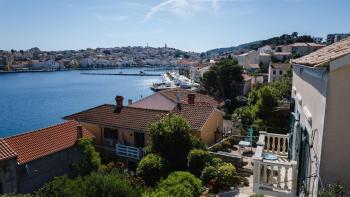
274 178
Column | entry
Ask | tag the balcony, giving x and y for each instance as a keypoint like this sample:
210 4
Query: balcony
129 151
274 174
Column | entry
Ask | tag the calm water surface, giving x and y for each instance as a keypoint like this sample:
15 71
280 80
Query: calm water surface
30 101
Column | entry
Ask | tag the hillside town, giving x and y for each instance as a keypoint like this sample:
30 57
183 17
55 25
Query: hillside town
270 121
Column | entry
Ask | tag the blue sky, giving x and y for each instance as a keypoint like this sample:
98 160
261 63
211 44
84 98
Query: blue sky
193 25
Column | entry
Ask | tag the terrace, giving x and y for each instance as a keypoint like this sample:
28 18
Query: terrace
273 173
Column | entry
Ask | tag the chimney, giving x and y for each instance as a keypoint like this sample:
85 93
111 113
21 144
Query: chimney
129 101
79 131
119 102
191 98
178 100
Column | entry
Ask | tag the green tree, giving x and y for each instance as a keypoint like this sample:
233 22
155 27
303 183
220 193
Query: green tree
151 168
90 160
172 140
179 184
197 160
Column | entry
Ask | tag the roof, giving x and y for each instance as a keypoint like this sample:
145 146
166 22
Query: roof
326 54
254 66
195 115
139 118
280 65
282 53
129 117
246 77
182 93
43 142
6 151
155 101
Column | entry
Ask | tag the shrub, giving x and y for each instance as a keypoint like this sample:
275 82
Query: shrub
95 184
226 144
171 138
151 168
197 160
226 174
216 162
90 160
179 184
209 173
257 195
333 190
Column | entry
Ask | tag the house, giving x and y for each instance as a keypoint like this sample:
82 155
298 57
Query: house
30 159
301 49
246 59
121 131
247 83
332 38
277 71
314 153
265 49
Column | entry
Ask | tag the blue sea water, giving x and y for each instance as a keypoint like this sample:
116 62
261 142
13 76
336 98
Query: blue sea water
30 101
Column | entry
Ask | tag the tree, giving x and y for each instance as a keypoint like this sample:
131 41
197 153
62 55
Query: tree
172 140
179 184
151 168
90 160
198 160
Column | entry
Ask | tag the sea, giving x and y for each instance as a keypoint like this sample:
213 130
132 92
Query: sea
34 100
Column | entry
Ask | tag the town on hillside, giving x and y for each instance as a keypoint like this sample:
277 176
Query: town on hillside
269 119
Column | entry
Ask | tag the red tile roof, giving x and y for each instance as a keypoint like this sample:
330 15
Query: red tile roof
129 117
200 98
139 118
40 143
6 151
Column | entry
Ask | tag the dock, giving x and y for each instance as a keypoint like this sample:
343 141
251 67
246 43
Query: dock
123 74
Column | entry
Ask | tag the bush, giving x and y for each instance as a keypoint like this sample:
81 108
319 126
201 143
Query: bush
333 190
209 173
151 168
171 138
197 160
216 162
95 184
179 184
226 144
226 174
90 160
257 195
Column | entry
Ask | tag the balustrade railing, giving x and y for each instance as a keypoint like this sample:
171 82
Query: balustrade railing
278 177
129 151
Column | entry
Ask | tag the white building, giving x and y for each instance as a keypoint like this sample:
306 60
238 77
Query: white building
277 70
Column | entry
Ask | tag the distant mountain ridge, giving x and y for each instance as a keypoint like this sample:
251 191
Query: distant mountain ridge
246 46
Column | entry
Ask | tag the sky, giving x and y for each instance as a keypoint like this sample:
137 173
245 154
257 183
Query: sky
191 25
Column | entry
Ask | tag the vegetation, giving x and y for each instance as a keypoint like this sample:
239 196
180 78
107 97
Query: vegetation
151 168
333 190
197 160
172 140
90 161
286 39
262 102
257 195
224 80
179 184
95 184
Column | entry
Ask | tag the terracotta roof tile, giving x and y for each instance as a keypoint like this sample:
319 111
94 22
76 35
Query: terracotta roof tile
326 54
129 117
40 143
200 98
6 151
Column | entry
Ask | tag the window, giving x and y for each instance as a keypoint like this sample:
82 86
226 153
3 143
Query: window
281 72
110 133
274 72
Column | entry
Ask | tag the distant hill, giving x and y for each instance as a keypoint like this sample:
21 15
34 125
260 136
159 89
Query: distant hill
242 47
274 41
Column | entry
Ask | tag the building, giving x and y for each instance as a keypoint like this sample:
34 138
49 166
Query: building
31 159
318 40
246 59
121 131
247 83
332 38
314 153
277 71
301 49
322 111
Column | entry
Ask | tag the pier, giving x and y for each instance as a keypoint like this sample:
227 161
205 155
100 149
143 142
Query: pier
124 74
